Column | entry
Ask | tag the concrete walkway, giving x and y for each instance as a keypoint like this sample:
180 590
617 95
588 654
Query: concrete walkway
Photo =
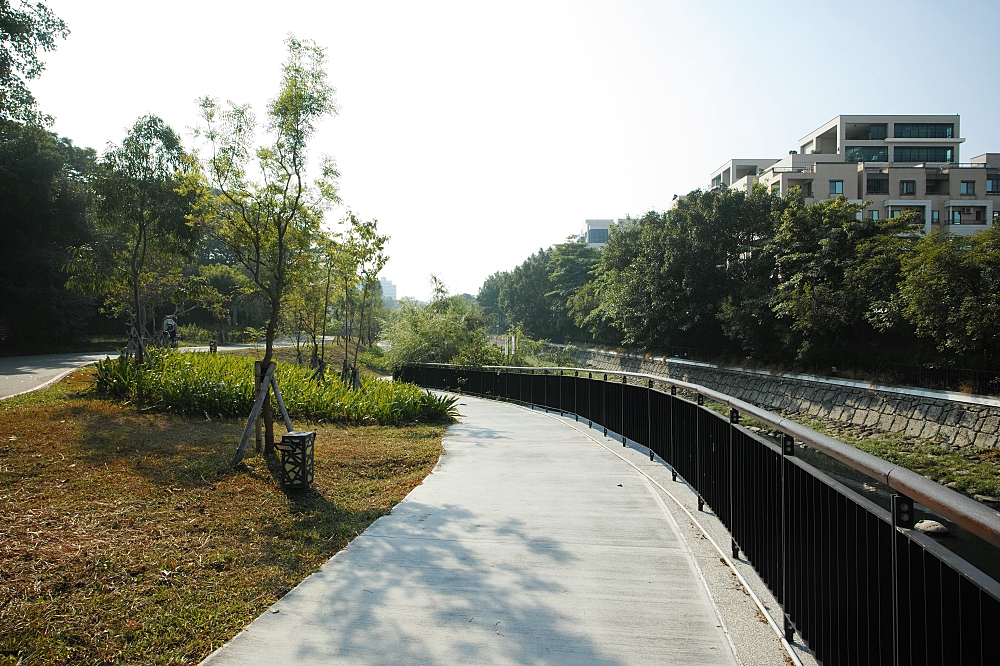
530 543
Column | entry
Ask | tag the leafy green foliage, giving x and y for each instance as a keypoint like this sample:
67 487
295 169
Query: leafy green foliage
663 279
145 189
479 351
950 291
836 276
24 31
538 295
44 194
219 384
434 333
269 220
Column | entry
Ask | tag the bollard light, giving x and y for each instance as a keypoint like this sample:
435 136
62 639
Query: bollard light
297 459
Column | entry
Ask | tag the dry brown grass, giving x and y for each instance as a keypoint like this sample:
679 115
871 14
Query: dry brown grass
127 538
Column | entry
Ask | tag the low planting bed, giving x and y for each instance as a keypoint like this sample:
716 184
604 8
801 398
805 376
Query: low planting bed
126 537
221 385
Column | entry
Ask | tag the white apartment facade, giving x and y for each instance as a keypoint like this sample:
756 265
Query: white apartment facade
595 232
897 163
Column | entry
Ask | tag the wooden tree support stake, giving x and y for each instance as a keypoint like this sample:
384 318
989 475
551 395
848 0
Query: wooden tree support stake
281 405
262 392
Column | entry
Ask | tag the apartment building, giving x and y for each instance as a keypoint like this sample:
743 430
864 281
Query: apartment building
595 232
896 163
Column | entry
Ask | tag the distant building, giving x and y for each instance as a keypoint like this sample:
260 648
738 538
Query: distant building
388 293
595 232
898 163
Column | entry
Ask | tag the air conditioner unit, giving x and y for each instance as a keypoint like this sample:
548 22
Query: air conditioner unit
967 211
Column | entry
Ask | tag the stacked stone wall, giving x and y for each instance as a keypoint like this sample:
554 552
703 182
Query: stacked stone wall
949 420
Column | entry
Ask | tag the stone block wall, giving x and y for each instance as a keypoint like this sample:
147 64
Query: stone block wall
950 418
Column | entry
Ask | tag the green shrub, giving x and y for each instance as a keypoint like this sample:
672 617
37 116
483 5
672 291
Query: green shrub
479 351
376 359
218 384
195 333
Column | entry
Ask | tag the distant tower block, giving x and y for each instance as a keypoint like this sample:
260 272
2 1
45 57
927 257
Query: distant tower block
388 293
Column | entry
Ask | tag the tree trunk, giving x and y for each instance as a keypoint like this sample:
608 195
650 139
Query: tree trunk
272 326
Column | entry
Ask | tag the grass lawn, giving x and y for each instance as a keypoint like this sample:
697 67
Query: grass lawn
127 538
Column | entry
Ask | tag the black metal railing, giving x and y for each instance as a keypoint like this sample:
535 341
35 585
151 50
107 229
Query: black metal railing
857 582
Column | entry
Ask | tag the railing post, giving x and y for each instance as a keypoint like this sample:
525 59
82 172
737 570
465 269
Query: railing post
673 465
902 517
604 404
734 420
576 391
649 417
590 407
621 420
545 390
697 451
560 393
787 451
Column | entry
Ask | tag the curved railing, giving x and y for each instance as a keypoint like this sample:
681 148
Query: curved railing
858 583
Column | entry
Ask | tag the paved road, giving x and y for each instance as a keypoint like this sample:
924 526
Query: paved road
530 543
20 374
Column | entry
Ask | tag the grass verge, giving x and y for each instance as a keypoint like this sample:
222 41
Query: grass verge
127 538
970 470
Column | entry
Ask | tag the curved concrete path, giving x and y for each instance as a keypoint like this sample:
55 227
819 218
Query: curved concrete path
530 543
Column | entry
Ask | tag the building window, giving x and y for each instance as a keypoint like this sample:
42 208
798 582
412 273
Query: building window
924 154
993 185
956 217
935 217
597 236
776 190
968 187
979 216
878 185
907 187
836 187
923 130
867 153
717 181
873 214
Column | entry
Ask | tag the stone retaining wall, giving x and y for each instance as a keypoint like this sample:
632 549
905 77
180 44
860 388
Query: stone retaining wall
949 418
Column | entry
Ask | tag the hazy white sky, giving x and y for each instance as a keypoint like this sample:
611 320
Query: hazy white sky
479 132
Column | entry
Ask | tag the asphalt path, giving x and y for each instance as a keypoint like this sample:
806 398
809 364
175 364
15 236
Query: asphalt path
21 374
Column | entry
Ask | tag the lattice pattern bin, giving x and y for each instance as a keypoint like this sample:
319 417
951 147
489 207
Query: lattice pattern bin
297 459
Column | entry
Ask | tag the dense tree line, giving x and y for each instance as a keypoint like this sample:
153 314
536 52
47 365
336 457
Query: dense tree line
229 239
748 275
542 296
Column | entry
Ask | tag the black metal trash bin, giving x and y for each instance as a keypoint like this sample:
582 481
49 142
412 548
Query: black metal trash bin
297 459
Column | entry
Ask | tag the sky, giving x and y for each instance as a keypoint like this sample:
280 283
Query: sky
478 132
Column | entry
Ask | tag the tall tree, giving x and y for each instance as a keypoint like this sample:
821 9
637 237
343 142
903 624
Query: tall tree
44 195
268 221
145 189
25 29
837 273
950 291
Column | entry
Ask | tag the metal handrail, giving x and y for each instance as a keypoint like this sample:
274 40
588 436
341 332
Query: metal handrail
969 514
